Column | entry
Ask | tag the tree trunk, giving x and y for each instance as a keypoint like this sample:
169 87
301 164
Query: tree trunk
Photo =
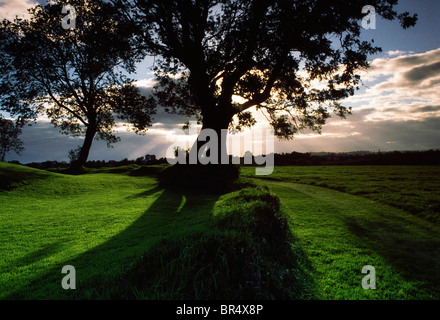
216 175
85 149
218 122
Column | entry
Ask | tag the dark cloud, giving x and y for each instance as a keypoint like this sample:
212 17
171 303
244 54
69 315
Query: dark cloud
163 119
43 142
429 109
417 59
408 135
419 74
370 136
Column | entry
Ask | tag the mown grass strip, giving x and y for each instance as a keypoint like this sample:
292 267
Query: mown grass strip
340 233
415 189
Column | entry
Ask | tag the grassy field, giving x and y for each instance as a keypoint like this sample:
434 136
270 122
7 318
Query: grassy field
129 238
118 227
340 234
415 189
96 222
385 216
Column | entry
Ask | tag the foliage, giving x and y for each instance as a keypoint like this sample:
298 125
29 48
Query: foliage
219 58
74 154
9 140
75 76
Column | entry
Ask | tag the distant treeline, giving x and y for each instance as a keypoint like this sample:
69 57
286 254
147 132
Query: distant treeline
431 157
147 160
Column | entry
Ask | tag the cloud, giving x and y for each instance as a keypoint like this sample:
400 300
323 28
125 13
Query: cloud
10 9
43 142
402 88
394 53
355 134
429 109
398 110
162 119
403 62
425 72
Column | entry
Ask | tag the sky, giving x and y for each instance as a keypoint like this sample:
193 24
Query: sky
398 107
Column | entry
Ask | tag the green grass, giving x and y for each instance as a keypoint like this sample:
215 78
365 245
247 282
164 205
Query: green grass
129 238
118 226
355 218
245 254
98 223
340 233
415 189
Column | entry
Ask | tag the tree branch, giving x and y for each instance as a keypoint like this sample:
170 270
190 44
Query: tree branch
262 96
61 105
80 102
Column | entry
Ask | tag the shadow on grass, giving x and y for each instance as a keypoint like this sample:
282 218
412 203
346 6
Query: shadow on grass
183 243
172 214
38 255
413 249
146 193
12 176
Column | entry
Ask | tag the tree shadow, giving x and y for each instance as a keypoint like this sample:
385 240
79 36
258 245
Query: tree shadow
37 255
14 176
146 193
178 216
411 247
161 220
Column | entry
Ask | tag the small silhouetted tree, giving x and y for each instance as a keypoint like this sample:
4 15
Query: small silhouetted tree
71 67
217 59
9 137
150 158
74 154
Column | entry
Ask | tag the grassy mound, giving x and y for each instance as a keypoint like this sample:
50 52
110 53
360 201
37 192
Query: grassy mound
133 239
246 254
12 175
340 233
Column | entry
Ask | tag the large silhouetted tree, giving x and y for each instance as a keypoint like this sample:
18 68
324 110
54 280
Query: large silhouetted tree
294 60
69 63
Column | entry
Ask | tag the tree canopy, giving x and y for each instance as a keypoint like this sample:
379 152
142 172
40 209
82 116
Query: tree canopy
216 59
292 60
73 69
